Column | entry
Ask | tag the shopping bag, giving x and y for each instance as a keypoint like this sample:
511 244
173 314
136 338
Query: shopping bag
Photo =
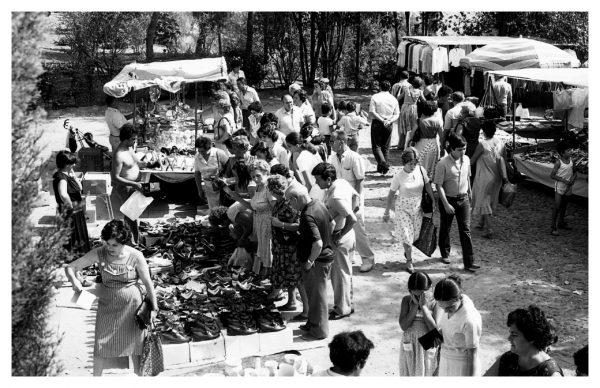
561 99
507 194
135 205
152 361
427 237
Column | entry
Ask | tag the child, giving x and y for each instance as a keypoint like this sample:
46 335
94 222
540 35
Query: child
351 123
325 124
564 175
416 320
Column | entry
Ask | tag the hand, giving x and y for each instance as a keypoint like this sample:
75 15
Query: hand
77 287
437 342
153 314
137 186
449 209
422 300
336 236
308 265
414 299
276 223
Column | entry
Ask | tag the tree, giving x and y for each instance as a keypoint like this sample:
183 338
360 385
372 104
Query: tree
34 255
249 33
150 36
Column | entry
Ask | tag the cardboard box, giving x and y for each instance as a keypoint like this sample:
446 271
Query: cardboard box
176 353
241 345
96 183
276 342
206 352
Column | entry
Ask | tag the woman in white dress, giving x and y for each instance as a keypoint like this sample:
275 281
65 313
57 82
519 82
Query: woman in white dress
460 326
408 183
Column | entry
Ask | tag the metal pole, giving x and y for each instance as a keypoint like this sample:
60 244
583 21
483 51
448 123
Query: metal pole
196 110
133 117
513 123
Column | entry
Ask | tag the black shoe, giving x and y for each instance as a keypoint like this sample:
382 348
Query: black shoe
173 337
469 269
475 266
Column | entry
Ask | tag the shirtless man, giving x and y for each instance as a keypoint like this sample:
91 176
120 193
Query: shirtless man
125 173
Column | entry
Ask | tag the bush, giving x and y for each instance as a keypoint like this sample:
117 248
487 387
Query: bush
34 255
254 68
387 71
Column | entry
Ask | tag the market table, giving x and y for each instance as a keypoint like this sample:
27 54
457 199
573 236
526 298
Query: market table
176 176
540 172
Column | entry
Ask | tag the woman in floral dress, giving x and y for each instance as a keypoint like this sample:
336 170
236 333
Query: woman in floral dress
408 110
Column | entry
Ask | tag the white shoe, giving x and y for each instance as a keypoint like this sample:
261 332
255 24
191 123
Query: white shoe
367 265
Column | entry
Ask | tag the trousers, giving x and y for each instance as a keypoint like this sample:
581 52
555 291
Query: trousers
362 240
119 195
381 137
462 211
341 274
315 284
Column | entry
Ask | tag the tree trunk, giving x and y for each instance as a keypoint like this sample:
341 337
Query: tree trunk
249 34
150 34
407 19
219 37
396 29
201 40
265 20
302 44
357 49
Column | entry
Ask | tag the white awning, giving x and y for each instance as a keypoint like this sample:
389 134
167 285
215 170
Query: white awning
572 77
458 40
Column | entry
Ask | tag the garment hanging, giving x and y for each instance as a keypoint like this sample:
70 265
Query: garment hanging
426 54
439 60
579 100
455 55
416 57
402 53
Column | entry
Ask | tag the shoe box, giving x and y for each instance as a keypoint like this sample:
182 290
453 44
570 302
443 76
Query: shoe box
96 183
174 354
241 345
206 352
279 341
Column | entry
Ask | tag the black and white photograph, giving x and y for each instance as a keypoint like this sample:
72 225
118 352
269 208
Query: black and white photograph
369 192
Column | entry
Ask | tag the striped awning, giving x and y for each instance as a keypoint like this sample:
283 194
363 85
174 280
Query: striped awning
518 54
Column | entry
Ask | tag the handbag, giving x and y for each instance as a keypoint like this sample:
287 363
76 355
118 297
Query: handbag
426 201
427 340
152 359
142 315
426 242
507 194
561 99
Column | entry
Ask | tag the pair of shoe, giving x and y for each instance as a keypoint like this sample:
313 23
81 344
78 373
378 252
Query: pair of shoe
309 337
446 260
554 232
299 318
334 315
306 326
473 268
287 307
173 336
367 265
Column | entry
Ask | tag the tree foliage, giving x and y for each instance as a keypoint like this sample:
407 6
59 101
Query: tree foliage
34 254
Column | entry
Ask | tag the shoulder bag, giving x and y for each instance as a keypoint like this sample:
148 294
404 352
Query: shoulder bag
152 360
426 201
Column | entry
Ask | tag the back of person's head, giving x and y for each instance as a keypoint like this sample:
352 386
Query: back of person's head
268 117
458 96
280 169
430 108
350 106
65 158
202 141
403 75
562 146
302 95
491 112
535 327
325 109
325 171
444 91
341 105
456 141
109 100
417 82
224 105
255 106
419 281
349 351
306 131
293 138
580 358
385 86
428 80
116 229
277 184
448 289
236 63
261 147
127 131
489 128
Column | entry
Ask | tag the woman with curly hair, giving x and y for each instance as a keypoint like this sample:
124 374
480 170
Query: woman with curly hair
262 152
529 334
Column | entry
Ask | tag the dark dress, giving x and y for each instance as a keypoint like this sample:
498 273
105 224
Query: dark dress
286 271
509 366
79 240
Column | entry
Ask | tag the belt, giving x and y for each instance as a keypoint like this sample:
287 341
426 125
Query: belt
459 196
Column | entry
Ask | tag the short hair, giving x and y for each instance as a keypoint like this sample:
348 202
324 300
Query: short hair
202 141
535 327
456 141
385 86
458 96
287 94
430 108
403 74
444 91
235 100
242 80
277 184
341 105
262 148
417 82
448 289
580 358
65 158
428 80
240 142
325 108
409 154
260 165
325 171
109 100
224 104
236 63
118 230
340 134
127 131
349 350
419 281
350 106
280 169
268 117
562 146
489 128
293 138
306 130
255 106
302 95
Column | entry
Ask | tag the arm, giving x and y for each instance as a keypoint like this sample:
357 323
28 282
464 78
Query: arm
306 180
472 355
408 312
430 193
427 313
62 192
478 152
198 179
358 186
389 204
396 114
442 195
235 196
85 261
315 251
144 274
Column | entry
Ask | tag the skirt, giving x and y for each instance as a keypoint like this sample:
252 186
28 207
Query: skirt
414 360
409 217
262 230
454 362
286 271
117 334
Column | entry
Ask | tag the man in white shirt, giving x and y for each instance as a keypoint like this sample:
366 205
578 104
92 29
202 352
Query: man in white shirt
289 117
453 114
235 73
350 166
352 123
384 111
341 200
502 93
115 120
301 101
247 95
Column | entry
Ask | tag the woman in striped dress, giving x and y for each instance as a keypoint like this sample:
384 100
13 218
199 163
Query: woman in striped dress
117 334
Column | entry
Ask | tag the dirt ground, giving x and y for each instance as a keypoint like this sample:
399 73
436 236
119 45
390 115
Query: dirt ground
522 265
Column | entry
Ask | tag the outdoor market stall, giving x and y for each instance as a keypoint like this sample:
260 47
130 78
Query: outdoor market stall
171 131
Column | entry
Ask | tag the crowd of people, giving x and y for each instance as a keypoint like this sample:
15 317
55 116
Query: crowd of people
293 185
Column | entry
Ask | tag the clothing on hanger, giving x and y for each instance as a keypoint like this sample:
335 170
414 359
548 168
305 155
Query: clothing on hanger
455 55
425 61
439 60
416 56
402 53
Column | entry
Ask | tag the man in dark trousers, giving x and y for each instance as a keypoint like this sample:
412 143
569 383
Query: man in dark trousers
315 253
454 189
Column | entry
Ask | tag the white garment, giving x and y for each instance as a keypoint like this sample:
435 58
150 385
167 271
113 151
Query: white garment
439 60
416 56
325 124
341 199
281 155
425 60
216 161
307 112
233 77
350 168
579 99
385 105
306 161
352 122
291 121
455 55
248 98
115 120
409 184
402 53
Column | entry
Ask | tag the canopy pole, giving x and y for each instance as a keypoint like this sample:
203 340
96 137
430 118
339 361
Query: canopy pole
196 110
134 108
514 105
